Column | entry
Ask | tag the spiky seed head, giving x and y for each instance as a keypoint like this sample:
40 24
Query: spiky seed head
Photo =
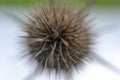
58 38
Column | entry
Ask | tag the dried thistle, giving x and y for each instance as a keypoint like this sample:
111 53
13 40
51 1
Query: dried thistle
58 38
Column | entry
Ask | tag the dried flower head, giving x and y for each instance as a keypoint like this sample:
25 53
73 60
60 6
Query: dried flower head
58 38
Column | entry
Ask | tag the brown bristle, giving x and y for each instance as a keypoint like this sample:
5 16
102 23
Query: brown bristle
58 38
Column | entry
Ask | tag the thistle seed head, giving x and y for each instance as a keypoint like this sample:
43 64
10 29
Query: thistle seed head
58 38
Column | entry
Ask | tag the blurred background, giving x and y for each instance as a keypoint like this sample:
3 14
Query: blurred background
101 3
106 22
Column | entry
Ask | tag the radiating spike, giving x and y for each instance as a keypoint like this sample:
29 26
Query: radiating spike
64 60
68 54
43 49
61 20
64 41
51 57
58 63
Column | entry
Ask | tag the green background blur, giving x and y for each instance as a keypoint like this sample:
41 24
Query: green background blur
100 3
